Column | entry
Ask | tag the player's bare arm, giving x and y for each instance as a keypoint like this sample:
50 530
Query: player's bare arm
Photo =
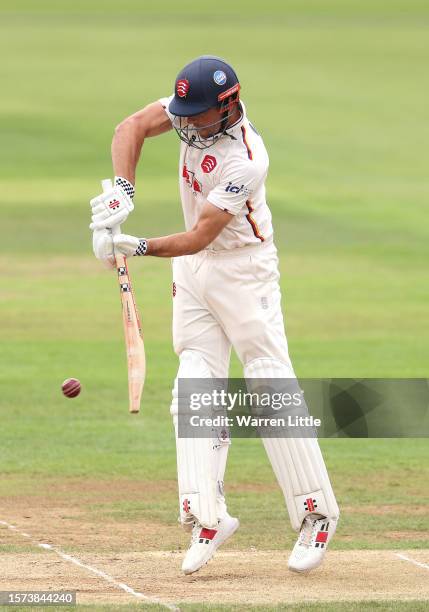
130 135
111 208
209 225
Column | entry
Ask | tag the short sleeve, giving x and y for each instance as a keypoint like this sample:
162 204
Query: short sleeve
238 181
165 102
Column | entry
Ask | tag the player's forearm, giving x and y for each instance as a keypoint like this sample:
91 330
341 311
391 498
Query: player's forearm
130 135
126 148
175 245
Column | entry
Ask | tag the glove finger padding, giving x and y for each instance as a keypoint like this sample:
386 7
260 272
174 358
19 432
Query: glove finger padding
102 221
102 244
125 244
97 200
100 216
98 208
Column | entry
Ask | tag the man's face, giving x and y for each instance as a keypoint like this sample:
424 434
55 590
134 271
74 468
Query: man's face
211 118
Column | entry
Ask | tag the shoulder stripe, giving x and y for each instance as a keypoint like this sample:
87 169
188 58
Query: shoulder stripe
249 150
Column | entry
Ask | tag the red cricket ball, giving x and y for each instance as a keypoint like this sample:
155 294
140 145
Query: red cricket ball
71 387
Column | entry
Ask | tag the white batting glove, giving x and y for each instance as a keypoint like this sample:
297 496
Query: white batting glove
129 246
102 244
110 208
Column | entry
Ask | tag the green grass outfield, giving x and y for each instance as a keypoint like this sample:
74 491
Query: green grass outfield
339 92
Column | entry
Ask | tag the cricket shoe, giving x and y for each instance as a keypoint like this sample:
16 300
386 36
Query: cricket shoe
310 548
204 543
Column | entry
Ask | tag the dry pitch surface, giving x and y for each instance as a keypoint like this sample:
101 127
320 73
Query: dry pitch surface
47 546
245 577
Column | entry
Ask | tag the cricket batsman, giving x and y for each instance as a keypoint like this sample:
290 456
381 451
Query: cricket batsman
225 294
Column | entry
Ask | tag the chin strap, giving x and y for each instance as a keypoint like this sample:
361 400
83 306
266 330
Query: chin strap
230 135
224 122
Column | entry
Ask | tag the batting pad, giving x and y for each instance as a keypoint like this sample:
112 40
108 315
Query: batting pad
297 462
201 462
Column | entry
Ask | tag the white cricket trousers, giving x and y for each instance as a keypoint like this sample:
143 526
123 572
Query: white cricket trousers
232 298
229 298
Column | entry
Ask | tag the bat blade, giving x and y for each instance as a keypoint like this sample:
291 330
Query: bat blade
136 358
134 344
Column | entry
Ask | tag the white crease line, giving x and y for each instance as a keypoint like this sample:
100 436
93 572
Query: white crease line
94 570
405 558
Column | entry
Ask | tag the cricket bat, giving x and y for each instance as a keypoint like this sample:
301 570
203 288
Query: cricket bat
132 327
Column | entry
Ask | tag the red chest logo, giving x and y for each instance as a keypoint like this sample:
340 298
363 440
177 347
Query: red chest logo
208 164
182 88
189 177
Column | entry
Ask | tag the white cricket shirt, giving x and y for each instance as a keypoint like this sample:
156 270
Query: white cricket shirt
231 175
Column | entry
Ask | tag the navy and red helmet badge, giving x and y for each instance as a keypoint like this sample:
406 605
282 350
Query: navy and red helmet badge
182 88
